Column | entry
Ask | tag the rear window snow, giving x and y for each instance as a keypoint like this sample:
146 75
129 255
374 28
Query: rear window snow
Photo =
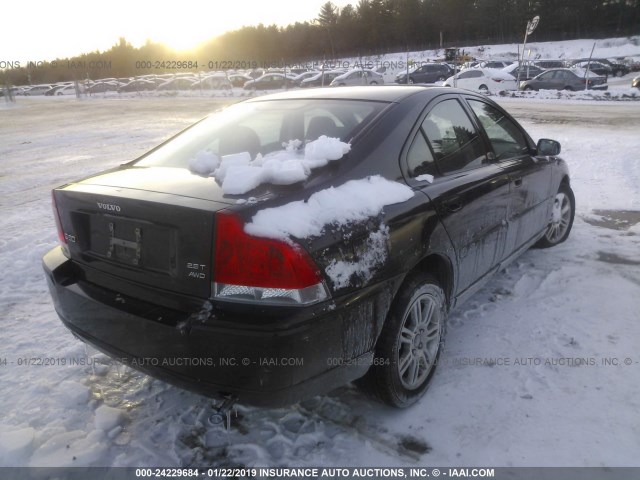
239 174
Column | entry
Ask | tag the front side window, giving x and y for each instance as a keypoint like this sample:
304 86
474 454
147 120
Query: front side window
506 138
455 142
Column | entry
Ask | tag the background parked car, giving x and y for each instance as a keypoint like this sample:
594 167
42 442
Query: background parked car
238 79
322 79
11 91
571 79
212 82
70 90
178 83
103 87
52 91
270 81
598 68
526 71
137 86
37 90
497 64
427 73
358 77
618 69
482 79
550 63
298 79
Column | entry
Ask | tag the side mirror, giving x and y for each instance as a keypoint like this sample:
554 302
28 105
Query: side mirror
548 147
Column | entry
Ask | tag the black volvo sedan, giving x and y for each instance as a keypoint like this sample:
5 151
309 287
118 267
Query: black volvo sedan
292 243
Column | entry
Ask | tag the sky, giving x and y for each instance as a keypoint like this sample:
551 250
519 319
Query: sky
52 31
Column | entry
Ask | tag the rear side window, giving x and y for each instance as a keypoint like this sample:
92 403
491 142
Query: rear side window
454 141
419 158
507 140
470 74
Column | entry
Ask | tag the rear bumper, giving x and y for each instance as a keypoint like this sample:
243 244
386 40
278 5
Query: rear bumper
275 358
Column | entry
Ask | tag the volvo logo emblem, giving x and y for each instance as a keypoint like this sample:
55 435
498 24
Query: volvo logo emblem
109 207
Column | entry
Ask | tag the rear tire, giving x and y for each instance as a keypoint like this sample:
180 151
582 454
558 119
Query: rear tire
564 210
410 343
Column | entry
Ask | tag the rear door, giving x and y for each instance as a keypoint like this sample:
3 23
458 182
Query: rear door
470 192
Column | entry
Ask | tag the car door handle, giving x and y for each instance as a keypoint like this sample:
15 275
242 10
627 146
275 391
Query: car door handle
517 182
453 204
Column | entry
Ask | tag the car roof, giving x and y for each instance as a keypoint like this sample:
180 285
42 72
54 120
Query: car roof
380 93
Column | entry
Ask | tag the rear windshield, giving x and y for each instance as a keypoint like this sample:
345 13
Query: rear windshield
265 127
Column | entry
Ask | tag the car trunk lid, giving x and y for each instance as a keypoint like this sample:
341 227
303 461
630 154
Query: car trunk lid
153 228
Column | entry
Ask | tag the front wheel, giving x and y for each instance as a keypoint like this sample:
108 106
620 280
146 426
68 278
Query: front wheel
409 346
483 89
562 213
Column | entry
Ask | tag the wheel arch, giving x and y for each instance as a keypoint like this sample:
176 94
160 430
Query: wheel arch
440 267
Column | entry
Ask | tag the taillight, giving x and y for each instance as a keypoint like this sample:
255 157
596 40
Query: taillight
255 269
56 215
498 80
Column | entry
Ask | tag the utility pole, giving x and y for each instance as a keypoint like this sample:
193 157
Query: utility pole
531 26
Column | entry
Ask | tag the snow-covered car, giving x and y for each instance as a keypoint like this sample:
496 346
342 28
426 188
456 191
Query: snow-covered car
527 71
496 64
482 79
299 78
292 243
358 77
571 79
321 79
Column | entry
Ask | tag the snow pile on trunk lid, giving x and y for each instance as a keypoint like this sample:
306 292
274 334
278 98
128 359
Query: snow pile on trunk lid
356 200
239 174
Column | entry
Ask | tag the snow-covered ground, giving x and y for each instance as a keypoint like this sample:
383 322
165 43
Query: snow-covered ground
534 371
